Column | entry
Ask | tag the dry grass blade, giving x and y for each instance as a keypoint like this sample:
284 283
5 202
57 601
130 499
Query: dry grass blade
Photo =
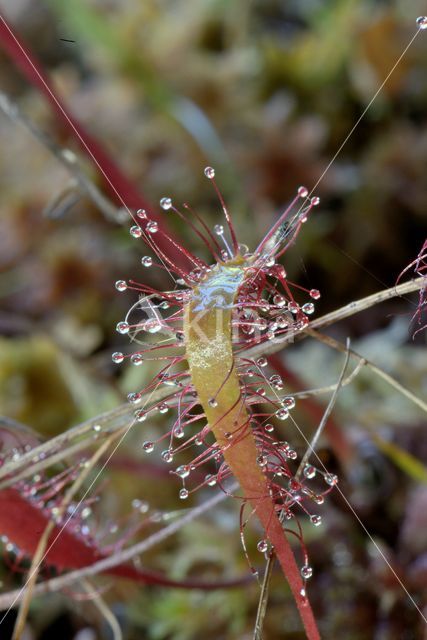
338 346
263 598
311 447
104 610
67 158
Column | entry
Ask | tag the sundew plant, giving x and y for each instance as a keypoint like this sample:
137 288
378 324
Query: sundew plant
214 412
217 311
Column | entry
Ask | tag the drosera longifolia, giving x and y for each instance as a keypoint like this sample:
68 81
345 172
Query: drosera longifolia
218 310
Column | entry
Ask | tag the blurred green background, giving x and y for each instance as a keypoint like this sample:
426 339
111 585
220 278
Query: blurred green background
266 92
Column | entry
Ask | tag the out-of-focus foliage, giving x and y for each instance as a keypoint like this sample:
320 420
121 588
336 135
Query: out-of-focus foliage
266 91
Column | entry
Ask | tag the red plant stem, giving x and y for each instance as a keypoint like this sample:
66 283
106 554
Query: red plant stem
209 352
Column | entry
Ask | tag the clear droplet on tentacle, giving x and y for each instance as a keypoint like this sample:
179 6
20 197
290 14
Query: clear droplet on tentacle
166 203
306 572
121 285
331 479
183 471
135 231
122 327
309 472
316 520
422 22
152 227
209 172
262 546
167 455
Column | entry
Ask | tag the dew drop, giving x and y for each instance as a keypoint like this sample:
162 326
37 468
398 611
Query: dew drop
152 326
86 512
279 301
146 261
166 203
152 227
306 571
141 213
282 322
315 294
262 461
293 307
163 408
276 381
219 230
282 414
268 428
288 402
140 415
243 249
293 485
183 471
121 285
167 455
308 308
210 480
422 22
97 428
267 260
183 494
262 546
134 398
303 192
135 231
315 201
122 327
212 402
117 357
316 520
209 172
137 359
309 472
331 479
140 505
148 446
262 362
